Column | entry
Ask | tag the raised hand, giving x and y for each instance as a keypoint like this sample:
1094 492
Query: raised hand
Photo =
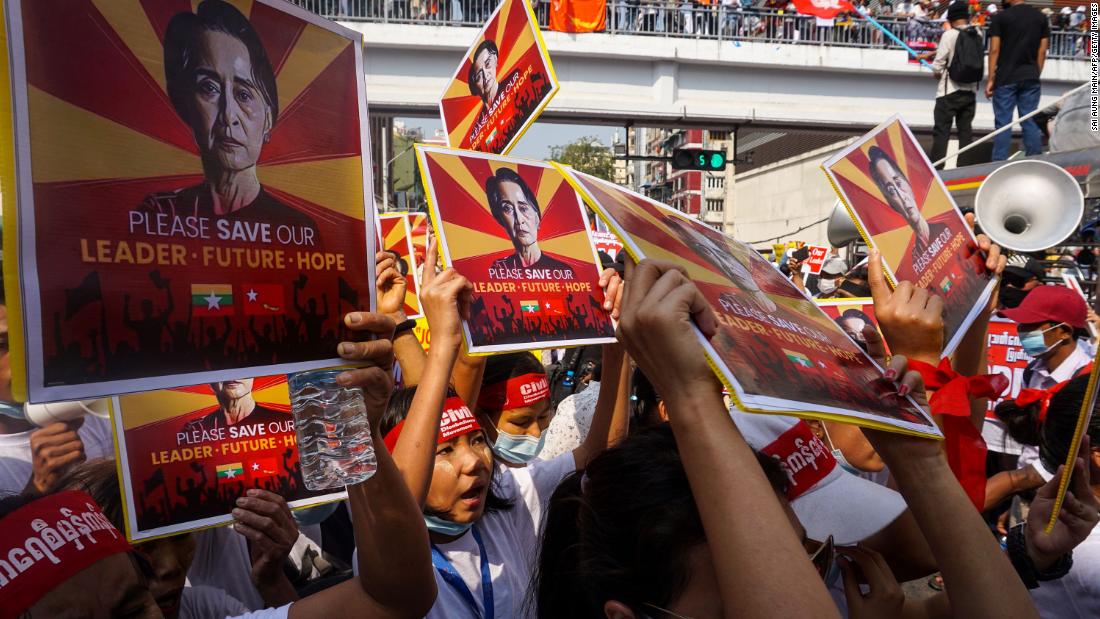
911 318
264 518
612 286
391 286
54 449
1080 513
445 299
884 597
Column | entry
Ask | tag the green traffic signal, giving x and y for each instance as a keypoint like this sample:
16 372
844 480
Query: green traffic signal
717 161
698 159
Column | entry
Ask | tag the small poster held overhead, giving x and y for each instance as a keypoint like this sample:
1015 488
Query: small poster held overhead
518 231
903 209
502 84
397 239
775 349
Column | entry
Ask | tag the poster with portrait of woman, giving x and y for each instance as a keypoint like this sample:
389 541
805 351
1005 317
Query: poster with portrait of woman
502 84
397 239
518 231
775 350
194 197
903 209
186 454
852 315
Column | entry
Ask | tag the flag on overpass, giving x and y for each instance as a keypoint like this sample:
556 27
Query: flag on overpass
825 9
578 15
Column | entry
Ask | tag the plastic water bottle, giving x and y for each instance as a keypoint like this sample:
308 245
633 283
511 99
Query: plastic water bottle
334 443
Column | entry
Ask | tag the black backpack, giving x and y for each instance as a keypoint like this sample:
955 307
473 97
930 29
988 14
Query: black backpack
968 62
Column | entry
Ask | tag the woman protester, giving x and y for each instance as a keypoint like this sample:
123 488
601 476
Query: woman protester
108 578
482 514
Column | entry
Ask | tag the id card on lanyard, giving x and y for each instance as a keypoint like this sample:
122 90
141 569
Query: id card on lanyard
452 578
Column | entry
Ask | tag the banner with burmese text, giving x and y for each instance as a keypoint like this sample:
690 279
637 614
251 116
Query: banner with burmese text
903 209
200 215
775 350
502 84
518 231
186 454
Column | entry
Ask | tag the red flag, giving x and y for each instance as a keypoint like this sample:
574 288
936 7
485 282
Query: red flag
263 299
825 9
263 467
578 15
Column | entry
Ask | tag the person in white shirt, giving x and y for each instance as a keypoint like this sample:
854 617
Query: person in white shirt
955 102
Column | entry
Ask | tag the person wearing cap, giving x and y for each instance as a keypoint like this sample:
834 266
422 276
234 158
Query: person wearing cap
1048 322
92 571
1018 41
1021 276
955 101
831 277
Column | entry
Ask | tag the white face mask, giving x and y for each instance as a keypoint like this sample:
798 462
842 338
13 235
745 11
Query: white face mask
827 286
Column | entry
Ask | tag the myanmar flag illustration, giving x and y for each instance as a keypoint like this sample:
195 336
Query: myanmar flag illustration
262 299
212 299
946 285
798 358
529 307
263 467
229 472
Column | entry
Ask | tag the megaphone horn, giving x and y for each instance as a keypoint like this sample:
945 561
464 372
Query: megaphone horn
1029 205
841 230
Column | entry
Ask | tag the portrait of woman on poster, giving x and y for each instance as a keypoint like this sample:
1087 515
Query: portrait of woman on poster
222 85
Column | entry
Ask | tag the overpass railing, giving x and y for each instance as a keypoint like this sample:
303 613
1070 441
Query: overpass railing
680 18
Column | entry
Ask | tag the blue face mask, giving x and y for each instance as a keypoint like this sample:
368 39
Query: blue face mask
12 409
1034 344
445 527
843 463
518 449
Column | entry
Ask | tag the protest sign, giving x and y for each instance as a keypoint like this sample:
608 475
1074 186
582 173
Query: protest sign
902 208
419 229
397 238
162 245
813 264
775 349
518 231
502 84
182 465
1074 284
607 243
851 315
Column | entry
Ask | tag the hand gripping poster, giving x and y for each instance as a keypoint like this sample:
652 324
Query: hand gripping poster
192 187
397 239
502 84
518 231
186 454
902 208
775 349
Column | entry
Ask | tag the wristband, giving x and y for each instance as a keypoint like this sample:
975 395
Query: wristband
407 325
1021 561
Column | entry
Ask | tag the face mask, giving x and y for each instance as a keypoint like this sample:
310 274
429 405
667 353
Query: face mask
518 449
1012 297
827 286
445 527
12 409
1034 344
843 463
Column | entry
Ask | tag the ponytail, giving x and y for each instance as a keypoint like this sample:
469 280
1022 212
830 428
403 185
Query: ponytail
1021 422
1055 433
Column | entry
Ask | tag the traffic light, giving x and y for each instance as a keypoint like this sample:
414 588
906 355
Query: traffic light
698 159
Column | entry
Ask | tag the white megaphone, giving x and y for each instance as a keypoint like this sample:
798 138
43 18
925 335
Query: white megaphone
841 230
43 415
1029 205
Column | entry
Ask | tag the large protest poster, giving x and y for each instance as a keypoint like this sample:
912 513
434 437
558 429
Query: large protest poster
502 84
182 465
201 214
902 208
851 315
775 349
397 238
518 231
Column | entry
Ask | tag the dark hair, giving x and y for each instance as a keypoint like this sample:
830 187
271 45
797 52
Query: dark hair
492 192
398 409
854 313
875 155
182 34
643 401
499 368
1054 434
622 530
774 472
471 79
99 478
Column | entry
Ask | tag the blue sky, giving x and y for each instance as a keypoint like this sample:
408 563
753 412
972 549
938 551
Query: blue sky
539 138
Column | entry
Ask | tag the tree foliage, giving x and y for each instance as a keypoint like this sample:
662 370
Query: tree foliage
586 155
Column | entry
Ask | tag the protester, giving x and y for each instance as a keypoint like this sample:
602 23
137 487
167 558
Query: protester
955 102
831 277
1021 276
1018 40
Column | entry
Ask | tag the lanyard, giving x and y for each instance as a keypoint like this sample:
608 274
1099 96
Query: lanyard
451 577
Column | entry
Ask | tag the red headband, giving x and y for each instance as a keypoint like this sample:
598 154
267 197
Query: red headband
1027 397
514 393
457 420
803 457
44 543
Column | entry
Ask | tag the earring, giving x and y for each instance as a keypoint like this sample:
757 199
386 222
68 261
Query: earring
267 137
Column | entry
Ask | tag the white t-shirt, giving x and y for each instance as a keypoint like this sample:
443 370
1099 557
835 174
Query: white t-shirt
511 543
945 53
571 422
281 612
222 562
15 452
1077 594
208 602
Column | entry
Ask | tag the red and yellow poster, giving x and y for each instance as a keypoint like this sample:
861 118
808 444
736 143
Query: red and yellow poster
193 185
902 208
775 349
502 84
518 231
851 315
397 239
419 228
186 454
